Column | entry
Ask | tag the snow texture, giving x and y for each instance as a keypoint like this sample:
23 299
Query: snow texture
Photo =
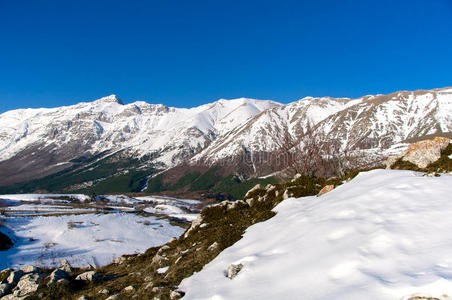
384 235
94 239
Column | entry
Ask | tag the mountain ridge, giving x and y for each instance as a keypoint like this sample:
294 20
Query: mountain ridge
40 142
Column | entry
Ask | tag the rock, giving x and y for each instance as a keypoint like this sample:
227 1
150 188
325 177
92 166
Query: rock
233 270
5 288
269 187
287 195
63 281
163 248
129 289
104 292
391 160
171 240
66 266
30 269
113 297
159 260
213 247
176 295
326 189
82 298
29 283
88 276
119 260
148 285
57 275
196 222
158 289
255 188
425 152
14 277
297 176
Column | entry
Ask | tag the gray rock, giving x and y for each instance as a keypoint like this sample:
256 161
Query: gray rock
29 283
256 187
213 247
14 277
113 297
119 260
159 260
176 295
129 289
104 292
233 270
88 276
57 275
196 222
66 266
287 195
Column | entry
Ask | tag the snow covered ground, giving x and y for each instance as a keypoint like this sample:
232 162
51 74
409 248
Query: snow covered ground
384 235
94 239
49 228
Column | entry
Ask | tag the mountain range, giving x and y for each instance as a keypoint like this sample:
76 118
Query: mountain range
105 144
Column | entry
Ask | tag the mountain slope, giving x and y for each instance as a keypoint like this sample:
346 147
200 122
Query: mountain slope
241 137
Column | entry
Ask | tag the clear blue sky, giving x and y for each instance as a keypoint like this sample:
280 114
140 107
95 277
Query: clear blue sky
185 53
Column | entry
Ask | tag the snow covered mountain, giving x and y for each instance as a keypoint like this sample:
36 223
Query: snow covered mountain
39 142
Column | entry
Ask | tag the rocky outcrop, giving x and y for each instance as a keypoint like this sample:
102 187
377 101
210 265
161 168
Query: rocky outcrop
88 276
326 189
425 152
421 153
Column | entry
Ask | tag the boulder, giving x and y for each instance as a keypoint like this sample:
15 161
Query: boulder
425 152
57 275
27 284
255 188
66 266
233 270
104 292
88 276
196 222
326 189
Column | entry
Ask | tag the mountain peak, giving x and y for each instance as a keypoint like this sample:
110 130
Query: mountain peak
110 99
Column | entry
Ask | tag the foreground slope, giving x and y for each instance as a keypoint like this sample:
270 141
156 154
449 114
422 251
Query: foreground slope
384 235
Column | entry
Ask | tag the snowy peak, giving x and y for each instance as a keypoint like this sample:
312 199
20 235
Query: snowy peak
109 99
224 129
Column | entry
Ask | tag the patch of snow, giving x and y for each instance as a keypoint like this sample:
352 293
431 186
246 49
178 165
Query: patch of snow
94 239
383 235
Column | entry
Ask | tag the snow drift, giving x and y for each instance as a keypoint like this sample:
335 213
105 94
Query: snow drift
384 235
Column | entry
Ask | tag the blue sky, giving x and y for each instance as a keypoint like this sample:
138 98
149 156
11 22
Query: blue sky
186 53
